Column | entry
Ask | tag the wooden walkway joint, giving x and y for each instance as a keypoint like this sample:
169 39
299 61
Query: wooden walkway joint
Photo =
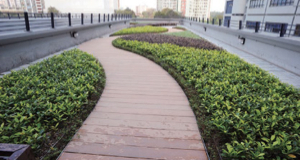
142 114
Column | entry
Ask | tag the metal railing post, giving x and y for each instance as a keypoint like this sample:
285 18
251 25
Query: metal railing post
202 20
26 21
99 18
91 18
19 16
213 21
104 17
256 27
52 20
282 30
207 21
8 15
240 24
82 19
220 22
70 22
107 17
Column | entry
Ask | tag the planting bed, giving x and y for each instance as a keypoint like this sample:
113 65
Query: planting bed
144 29
243 112
180 41
45 104
187 34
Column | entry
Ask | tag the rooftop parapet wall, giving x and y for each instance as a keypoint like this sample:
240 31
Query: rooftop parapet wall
282 52
20 49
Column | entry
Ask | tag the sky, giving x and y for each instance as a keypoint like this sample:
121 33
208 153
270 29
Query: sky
216 5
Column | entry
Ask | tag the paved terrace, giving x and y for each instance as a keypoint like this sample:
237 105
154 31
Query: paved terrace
142 114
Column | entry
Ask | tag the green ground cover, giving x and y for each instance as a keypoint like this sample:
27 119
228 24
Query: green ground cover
243 112
46 103
187 34
137 30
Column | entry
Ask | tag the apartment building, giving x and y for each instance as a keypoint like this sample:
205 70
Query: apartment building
197 8
12 5
171 4
84 6
271 15
187 8
31 6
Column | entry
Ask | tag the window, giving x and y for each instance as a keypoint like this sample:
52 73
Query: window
297 31
281 2
256 3
251 24
275 27
226 20
229 5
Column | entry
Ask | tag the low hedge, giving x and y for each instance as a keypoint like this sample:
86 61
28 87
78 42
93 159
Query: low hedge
41 102
249 114
180 41
180 28
144 29
187 34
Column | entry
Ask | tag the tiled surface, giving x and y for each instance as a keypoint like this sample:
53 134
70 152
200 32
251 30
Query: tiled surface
142 114
283 75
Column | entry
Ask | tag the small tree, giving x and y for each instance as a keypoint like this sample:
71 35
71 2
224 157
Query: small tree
53 10
126 11
167 13
149 13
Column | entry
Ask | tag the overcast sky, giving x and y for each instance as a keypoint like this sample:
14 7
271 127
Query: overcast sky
216 5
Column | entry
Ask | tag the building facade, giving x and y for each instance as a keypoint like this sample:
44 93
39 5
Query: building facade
187 8
197 8
31 6
171 4
83 6
64 6
271 15
10 5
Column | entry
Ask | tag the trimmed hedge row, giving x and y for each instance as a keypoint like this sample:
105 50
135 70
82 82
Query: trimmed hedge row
187 34
251 114
137 30
37 102
180 41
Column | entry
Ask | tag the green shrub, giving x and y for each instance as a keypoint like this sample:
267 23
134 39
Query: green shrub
145 29
256 116
37 101
180 28
187 34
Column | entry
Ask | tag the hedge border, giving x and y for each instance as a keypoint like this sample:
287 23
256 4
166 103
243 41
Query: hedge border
69 133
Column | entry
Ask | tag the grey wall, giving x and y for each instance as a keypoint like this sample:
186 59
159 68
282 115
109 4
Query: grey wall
280 51
16 50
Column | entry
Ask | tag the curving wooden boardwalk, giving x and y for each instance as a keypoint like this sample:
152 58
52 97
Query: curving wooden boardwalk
142 114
